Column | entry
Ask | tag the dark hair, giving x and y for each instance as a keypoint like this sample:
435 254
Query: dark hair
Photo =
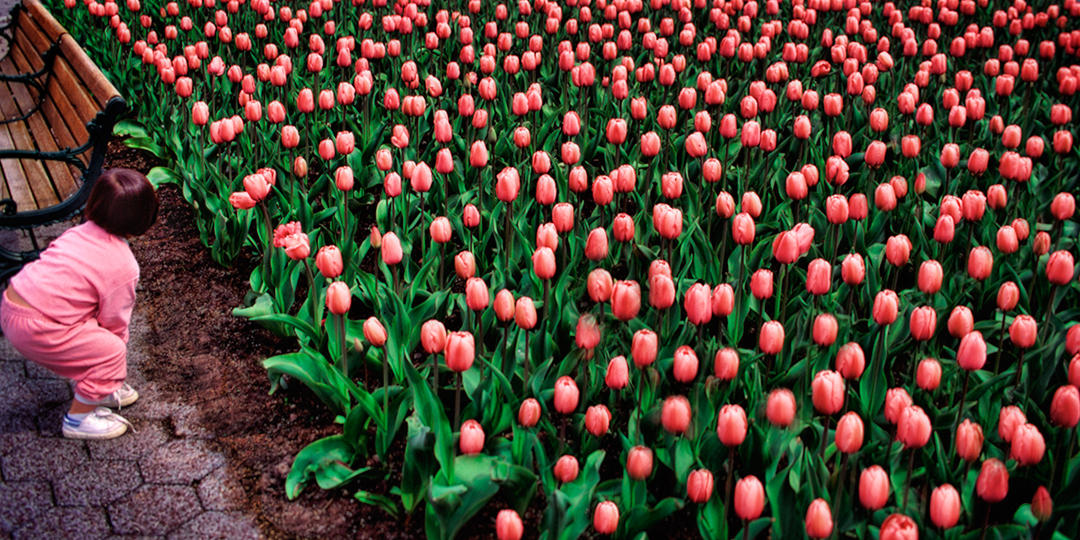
122 202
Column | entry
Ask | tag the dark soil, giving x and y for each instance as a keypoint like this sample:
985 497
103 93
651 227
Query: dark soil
212 360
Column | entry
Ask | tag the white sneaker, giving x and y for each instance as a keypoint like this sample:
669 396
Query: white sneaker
122 397
98 425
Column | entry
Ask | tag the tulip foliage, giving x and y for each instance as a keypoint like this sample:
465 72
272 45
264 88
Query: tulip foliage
768 269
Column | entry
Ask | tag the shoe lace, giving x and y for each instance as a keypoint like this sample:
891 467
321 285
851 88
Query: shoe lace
106 413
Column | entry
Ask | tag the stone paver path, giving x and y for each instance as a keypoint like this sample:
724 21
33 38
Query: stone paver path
164 481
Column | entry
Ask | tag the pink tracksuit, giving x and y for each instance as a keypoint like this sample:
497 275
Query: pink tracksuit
82 290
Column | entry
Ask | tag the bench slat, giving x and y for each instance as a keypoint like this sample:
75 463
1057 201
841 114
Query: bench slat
59 172
33 170
92 78
45 20
14 179
58 109
78 95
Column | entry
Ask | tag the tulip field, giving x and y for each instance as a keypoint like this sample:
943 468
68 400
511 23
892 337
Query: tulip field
728 268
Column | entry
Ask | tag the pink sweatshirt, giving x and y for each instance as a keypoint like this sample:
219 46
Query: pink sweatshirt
85 273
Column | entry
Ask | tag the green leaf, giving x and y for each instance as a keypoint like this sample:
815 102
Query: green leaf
327 460
160 176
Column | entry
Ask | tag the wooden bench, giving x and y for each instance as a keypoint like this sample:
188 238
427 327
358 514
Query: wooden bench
57 112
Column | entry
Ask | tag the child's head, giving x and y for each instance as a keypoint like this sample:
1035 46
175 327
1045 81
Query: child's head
122 202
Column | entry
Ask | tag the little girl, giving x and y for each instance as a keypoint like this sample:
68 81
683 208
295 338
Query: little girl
69 310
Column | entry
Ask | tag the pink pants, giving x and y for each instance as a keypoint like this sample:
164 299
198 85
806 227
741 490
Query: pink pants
95 358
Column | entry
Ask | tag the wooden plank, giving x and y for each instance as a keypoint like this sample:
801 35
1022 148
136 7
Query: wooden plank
58 110
72 88
33 170
92 77
59 172
14 179
42 17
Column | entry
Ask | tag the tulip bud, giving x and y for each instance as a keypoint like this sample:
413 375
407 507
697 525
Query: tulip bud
639 462
699 485
849 433
945 506
913 429
749 498
928 374
460 351
1009 419
339 299
566 395
1065 407
566 469
780 408
819 523
472 437
874 487
850 360
993 483
618 374
597 420
1028 445
731 425
508 525
971 354
898 527
828 392
1041 504
969 440
606 518
825 329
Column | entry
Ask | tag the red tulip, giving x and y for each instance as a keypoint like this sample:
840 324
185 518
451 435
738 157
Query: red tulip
617 375
566 469
685 365
731 425
899 527
508 525
339 299
945 506
819 523
771 338
969 440
993 482
328 261
699 485
913 429
928 374
675 416
923 322
472 437
1041 504
1009 419
850 360
529 412
726 364
980 263
698 303
825 329
1065 407
643 348
849 433
886 307
874 487
460 351
639 462
749 498
1028 445
597 420
780 408
828 392
1059 268
1023 331
971 355
433 336
566 395
477 296
606 518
